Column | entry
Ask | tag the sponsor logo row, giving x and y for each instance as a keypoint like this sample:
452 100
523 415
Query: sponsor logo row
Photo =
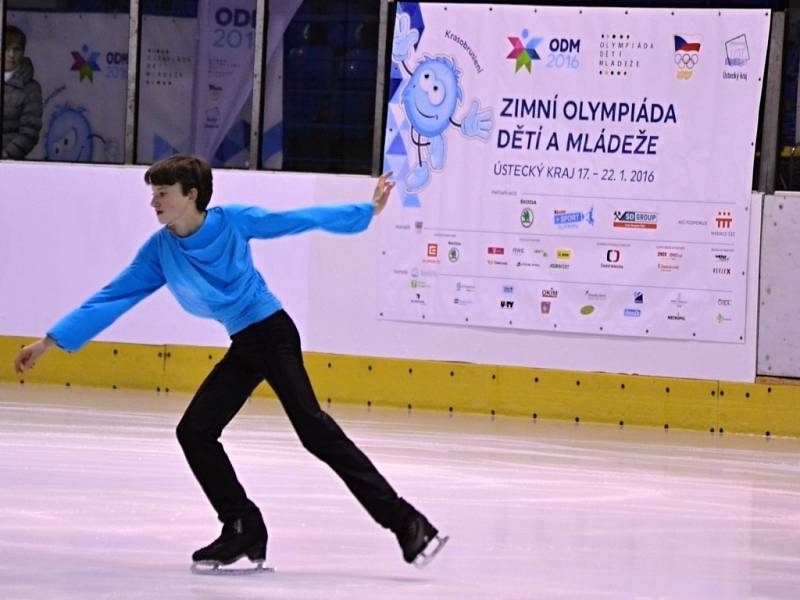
720 224
666 258
583 303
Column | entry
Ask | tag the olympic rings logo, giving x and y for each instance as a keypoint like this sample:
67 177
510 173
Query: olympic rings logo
686 60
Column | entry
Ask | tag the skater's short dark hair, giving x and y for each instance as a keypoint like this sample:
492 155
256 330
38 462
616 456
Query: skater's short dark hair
13 33
189 171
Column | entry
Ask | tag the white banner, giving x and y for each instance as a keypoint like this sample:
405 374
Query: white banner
81 62
224 76
165 87
573 169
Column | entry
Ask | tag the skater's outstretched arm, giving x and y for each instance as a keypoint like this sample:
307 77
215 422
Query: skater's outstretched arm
382 191
142 277
27 357
259 223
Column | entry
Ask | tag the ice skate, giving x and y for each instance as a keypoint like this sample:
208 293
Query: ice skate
419 540
218 569
243 537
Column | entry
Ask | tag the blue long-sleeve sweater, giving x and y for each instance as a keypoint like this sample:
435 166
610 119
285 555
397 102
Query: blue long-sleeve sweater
210 272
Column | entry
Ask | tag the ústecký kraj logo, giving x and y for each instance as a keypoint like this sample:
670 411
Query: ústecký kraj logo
737 54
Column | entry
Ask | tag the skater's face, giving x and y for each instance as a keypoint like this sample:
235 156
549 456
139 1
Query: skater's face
172 206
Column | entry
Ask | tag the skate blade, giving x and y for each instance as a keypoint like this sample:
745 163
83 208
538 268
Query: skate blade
213 568
424 558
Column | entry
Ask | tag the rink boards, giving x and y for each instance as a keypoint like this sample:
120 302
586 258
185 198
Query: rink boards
760 408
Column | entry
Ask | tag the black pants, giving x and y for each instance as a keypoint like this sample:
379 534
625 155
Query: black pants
270 349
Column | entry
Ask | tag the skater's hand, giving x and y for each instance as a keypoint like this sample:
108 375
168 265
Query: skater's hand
383 188
27 357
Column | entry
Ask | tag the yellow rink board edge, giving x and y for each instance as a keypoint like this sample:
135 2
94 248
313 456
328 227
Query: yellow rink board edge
771 408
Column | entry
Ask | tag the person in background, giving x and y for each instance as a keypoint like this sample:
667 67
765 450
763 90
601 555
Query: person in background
22 98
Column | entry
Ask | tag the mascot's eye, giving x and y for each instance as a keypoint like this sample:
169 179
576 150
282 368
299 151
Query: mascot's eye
436 95
70 139
426 81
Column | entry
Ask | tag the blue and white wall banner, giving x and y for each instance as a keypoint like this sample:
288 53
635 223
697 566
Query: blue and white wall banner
224 70
81 62
572 169
167 80
165 87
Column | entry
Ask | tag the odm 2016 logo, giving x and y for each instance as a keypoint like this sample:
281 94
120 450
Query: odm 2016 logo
524 50
85 63
563 52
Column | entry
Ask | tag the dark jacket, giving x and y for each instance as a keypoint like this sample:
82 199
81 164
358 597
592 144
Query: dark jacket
22 112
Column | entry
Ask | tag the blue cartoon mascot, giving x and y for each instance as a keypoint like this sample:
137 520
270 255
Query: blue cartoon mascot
430 98
69 138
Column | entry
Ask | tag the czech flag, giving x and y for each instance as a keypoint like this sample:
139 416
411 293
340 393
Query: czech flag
681 45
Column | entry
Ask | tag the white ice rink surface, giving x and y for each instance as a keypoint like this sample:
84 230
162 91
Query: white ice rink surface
97 502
